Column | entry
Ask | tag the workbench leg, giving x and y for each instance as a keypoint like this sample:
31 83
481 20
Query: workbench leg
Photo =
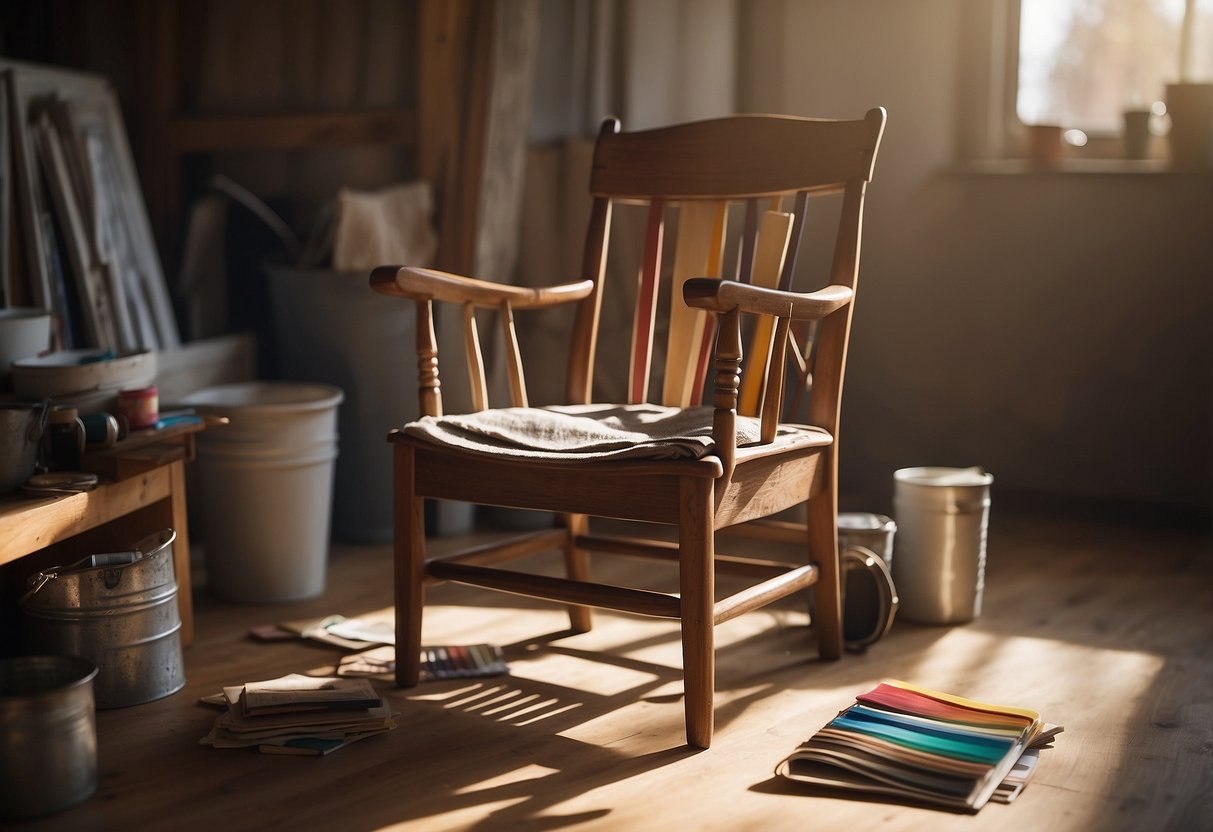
181 552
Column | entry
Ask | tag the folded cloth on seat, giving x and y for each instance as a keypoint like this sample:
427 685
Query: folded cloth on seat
576 433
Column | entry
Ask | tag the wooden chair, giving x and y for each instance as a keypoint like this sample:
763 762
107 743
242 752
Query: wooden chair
734 467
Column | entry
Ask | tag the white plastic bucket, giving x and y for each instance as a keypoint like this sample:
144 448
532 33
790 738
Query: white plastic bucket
942 515
265 488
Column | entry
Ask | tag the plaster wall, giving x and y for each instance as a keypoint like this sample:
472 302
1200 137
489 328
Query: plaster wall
1052 327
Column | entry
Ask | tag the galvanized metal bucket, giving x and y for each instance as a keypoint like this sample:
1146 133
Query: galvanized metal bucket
871 531
118 610
48 735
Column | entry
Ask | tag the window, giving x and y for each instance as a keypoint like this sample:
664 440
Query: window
1082 63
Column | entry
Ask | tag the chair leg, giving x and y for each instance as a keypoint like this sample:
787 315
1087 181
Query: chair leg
409 550
577 567
823 550
697 584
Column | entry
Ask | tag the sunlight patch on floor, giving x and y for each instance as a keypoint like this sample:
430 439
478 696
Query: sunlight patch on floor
963 657
1068 683
495 620
505 700
585 673
522 774
462 818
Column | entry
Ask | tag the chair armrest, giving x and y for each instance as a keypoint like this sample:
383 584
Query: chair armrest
726 295
430 284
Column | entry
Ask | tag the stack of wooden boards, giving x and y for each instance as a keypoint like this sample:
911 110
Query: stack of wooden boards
75 238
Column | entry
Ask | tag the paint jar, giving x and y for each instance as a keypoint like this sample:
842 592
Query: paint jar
140 406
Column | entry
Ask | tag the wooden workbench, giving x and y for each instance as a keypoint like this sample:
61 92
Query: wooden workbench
141 490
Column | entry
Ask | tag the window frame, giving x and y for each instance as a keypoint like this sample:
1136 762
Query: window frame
989 127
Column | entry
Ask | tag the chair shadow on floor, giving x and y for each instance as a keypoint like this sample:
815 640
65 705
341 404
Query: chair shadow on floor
534 719
544 727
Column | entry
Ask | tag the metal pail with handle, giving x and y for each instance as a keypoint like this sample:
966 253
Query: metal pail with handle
119 611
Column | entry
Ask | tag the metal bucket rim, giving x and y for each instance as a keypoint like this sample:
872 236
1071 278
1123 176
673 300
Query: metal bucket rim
84 672
936 477
248 398
77 573
865 521
160 549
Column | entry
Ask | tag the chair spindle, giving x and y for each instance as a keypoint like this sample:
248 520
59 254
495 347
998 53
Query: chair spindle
513 357
475 358
428 386
725 386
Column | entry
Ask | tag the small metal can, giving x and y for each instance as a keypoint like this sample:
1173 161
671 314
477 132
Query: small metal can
872 531
140 406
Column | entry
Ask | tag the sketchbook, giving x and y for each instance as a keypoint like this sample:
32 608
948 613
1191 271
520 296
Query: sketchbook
296 693
923 745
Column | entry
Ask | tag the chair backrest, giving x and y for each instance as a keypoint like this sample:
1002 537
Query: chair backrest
691 176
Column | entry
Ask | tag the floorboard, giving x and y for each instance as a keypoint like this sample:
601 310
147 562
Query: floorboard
1106 629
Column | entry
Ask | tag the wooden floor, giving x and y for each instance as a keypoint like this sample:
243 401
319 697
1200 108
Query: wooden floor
1107 630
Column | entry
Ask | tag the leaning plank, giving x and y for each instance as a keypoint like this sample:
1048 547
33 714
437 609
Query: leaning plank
768 265
100 315
697 248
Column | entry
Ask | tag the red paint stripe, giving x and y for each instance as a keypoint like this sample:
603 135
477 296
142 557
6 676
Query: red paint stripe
646 304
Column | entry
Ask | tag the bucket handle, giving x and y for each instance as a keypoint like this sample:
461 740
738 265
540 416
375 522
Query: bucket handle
862 558
36 583
112 561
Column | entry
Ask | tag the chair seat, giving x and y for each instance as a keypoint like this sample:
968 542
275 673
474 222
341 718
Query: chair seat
595 432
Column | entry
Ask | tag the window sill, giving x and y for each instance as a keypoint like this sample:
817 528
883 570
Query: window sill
1066 167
